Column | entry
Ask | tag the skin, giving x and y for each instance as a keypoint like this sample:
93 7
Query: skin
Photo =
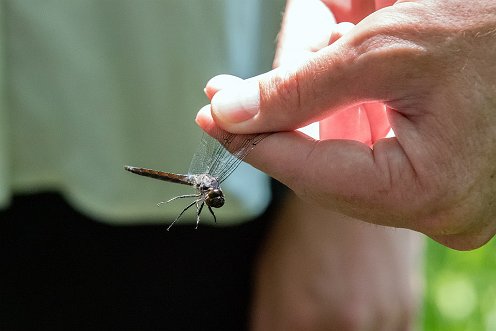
321 270
431 63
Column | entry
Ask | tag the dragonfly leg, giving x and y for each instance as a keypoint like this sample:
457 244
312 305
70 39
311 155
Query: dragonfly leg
198 212
187 207
178 197
212 212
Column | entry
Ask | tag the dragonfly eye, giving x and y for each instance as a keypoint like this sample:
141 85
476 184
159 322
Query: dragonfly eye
215 198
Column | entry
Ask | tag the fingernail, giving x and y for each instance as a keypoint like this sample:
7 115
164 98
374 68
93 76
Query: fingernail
237 103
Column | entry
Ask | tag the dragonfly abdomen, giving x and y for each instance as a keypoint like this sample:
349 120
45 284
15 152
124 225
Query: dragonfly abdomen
161 175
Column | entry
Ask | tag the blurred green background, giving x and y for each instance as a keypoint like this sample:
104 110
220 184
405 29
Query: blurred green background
460 289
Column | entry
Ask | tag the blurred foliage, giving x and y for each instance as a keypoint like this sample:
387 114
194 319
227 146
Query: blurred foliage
460 289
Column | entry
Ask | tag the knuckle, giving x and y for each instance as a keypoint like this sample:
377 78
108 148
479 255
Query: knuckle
281 96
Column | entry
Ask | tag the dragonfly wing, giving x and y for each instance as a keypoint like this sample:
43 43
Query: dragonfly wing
220 158
240 146
204 155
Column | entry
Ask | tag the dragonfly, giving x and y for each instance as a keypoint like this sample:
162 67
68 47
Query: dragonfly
214 161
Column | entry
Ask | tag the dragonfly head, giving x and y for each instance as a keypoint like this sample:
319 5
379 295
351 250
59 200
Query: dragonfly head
215 198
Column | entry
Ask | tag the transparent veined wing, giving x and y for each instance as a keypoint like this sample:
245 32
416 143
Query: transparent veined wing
221 159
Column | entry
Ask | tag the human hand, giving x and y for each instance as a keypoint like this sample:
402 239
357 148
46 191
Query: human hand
319 270
431 64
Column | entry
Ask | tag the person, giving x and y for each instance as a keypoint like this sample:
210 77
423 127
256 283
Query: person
431 65
90 86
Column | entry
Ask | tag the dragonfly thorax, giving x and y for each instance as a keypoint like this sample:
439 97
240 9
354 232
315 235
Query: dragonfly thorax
205 182
210 189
